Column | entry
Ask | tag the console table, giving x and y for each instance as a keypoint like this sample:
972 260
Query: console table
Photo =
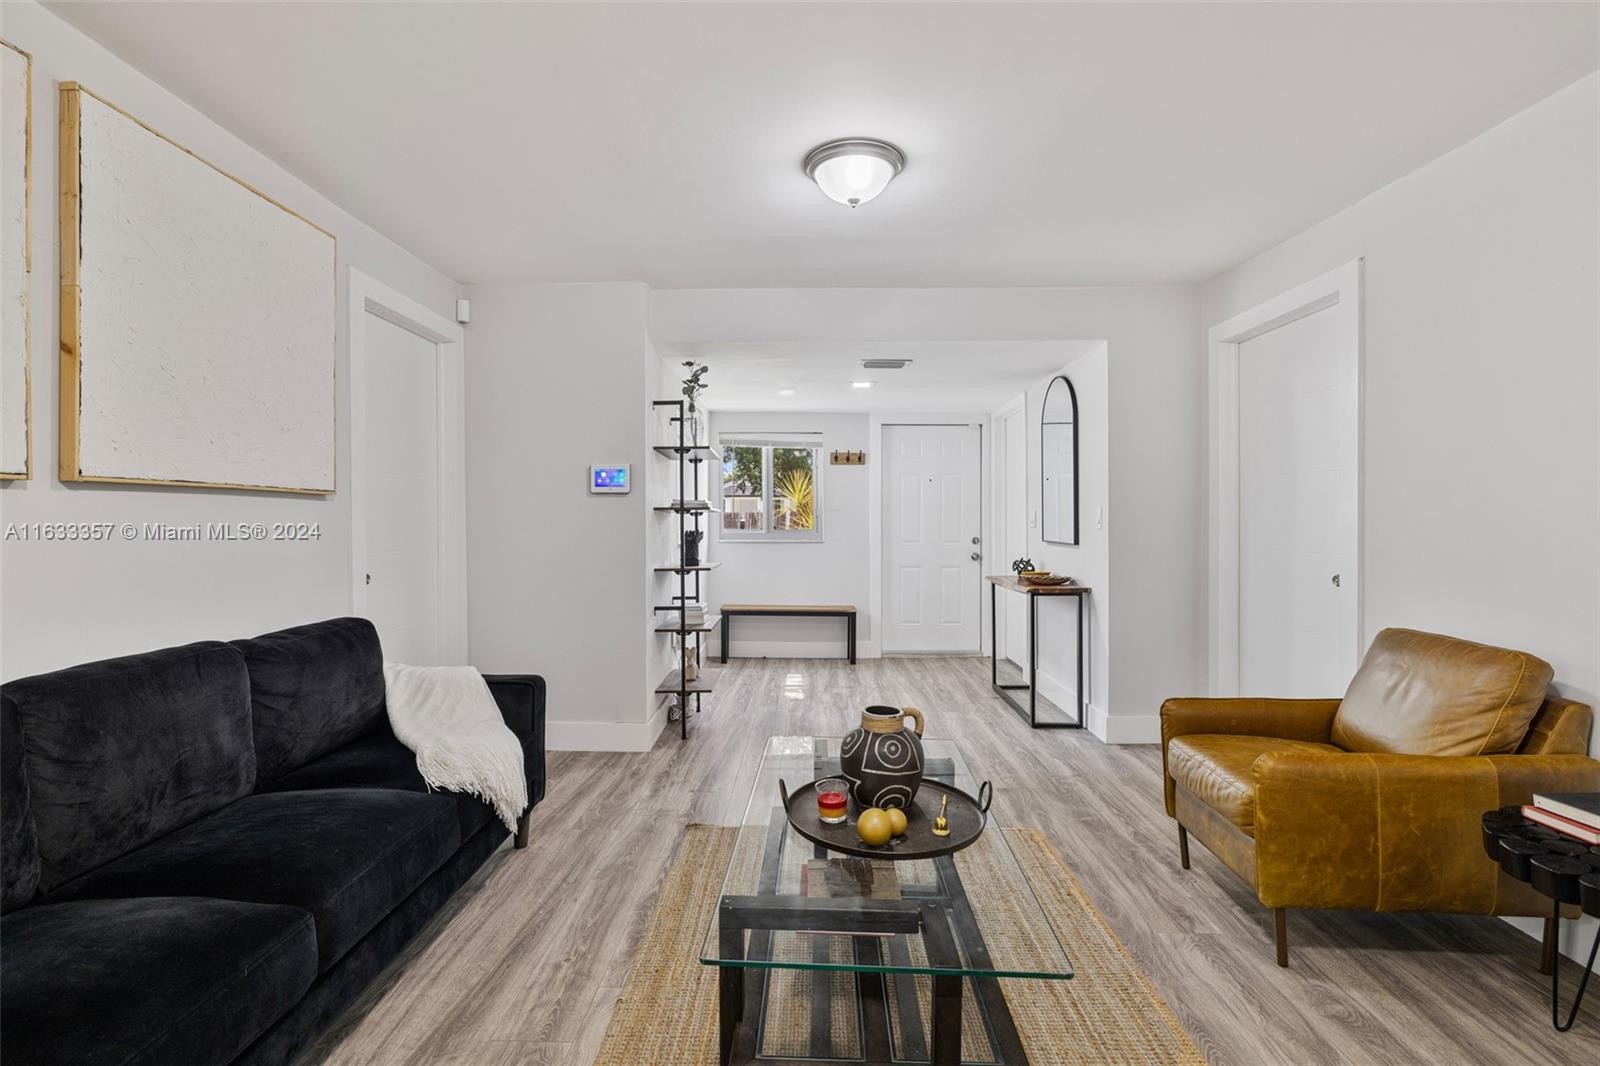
1034 593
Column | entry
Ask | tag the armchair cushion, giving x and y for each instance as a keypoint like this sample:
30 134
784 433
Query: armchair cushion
1217 769
1425 694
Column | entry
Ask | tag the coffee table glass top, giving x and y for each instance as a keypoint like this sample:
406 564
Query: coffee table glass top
790 904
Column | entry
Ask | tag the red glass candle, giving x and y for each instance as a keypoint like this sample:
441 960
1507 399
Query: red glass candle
833 801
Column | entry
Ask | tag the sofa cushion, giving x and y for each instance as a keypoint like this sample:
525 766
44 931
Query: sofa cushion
120 752
157 981
19 847
1216 768
313 688
378 760
1425 694
348 856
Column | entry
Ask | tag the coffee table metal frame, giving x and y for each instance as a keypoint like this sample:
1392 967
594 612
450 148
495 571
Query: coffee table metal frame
940 913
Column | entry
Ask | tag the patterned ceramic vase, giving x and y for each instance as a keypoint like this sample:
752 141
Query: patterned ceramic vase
881 760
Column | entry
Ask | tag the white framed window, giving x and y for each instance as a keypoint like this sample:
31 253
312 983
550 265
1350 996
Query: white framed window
771 487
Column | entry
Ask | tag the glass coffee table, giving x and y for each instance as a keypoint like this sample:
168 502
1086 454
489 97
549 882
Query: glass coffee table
826 957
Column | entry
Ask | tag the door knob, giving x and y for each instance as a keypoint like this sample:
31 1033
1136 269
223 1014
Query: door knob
976 556
1335 580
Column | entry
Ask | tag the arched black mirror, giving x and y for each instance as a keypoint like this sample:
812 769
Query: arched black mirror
1058 467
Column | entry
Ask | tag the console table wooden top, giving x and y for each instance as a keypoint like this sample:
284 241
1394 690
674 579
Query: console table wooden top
1005 581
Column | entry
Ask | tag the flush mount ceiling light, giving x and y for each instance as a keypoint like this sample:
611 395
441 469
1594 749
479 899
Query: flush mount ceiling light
853 171
861 384
785 392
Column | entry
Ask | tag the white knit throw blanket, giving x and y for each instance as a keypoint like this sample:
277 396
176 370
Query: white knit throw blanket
447 716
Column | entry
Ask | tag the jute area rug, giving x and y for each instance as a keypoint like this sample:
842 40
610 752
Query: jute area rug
1107 1014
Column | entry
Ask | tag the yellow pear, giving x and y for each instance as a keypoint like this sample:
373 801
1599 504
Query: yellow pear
874 827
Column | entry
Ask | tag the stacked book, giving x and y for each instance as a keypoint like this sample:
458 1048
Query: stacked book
1573 814
692 614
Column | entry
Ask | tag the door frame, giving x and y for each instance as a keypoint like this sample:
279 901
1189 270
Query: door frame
1340 290
1000 524
875 545
367 296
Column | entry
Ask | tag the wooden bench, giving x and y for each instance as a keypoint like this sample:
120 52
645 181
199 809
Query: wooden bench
794 610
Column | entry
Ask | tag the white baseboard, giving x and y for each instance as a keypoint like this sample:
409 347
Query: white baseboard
604 736
1110 728
1576 936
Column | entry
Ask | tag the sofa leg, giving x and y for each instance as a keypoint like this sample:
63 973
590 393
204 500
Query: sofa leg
1547 951
1280 934
1183 846
522 829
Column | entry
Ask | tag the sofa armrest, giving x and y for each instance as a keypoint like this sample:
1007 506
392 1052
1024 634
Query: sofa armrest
1393 832
1285 719
521 701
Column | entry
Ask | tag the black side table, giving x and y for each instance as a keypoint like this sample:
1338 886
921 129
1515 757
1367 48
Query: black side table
1566 870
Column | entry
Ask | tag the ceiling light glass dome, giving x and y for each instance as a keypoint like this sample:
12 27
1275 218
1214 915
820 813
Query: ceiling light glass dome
854 171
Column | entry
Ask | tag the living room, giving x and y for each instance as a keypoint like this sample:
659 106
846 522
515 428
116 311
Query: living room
481 482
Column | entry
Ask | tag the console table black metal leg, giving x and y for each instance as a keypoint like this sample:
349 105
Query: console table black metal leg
1083 697
851 626
727 637
1033 661
994 641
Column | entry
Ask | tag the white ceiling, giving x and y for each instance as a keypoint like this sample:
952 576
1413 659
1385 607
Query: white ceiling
1047 144
944 376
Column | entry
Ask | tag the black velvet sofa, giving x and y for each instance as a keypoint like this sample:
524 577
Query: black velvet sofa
207 852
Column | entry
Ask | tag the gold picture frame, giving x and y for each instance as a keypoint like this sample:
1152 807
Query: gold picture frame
26 473
71 382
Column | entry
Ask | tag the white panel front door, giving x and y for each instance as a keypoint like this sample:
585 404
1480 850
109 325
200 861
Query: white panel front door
930 529
1298 509
402 491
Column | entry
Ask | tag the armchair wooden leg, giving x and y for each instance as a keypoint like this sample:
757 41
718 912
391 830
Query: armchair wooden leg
1183 846
521 840
1280 934
1547 951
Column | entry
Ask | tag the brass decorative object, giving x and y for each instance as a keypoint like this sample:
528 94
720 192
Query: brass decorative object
941 824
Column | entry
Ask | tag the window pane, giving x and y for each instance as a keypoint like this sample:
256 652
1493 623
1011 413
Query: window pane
741 489
794 489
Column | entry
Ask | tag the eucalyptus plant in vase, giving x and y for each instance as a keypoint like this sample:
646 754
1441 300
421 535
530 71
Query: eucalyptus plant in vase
693 386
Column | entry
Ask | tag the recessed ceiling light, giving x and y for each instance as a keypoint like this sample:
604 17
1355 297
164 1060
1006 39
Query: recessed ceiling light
785 392
854 170
861 384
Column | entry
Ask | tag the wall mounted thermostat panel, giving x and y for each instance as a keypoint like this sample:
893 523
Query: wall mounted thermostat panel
610 479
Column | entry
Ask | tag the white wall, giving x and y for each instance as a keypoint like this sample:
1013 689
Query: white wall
1089 561
65 603
1154 515
832 571
556 382
1481 455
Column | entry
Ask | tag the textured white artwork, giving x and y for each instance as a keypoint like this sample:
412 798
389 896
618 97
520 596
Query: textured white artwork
205 343
14 262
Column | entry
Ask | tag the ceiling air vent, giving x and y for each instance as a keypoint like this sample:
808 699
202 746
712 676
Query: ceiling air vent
884 364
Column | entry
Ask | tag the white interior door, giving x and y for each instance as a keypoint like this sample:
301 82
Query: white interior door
1298 508
931 530
401 497
1013 534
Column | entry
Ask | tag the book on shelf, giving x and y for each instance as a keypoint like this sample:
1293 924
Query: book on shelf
1580 807
693 504
1565 826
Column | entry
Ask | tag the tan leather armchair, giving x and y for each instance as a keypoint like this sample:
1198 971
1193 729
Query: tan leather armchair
1373 802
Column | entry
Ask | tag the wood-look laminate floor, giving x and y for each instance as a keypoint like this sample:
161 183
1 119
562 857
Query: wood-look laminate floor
525 964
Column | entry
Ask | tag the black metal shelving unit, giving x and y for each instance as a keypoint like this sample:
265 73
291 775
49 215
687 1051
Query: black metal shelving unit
690 456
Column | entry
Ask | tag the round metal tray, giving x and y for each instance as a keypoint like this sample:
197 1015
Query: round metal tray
967 817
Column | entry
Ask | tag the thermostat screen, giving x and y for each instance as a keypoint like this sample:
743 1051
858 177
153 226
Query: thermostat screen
608 479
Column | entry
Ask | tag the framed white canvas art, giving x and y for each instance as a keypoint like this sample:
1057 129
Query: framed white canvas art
197 318
16 262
